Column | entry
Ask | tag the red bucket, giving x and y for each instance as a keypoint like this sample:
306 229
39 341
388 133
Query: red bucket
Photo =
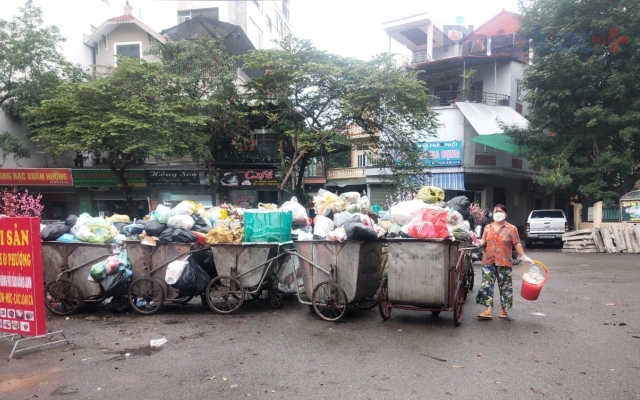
531 291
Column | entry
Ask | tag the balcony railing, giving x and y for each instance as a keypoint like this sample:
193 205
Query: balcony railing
346 173
444 99
420 56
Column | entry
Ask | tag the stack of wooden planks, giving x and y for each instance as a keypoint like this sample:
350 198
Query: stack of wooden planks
616 238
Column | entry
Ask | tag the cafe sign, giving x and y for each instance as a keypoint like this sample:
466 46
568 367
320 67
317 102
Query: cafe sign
249 178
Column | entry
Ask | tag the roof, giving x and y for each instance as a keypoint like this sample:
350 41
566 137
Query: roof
485 119
469 60
112 24
503 23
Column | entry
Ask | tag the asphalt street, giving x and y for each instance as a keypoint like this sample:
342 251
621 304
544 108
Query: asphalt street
579 340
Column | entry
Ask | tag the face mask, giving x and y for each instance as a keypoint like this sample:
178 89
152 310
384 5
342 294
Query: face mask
499 217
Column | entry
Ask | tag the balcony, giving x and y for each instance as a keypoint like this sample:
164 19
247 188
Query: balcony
346 173
443 99
420 56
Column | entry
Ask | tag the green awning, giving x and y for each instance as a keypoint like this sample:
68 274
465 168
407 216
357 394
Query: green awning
499 141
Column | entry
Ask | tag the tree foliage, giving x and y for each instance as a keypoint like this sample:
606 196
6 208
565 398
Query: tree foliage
583 93
136 110
31 64
317 95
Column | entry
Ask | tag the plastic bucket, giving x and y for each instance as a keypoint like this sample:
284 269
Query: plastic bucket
531 291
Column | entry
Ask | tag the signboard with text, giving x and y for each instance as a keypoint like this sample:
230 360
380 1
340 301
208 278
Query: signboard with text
21 279
630 210
173 177
106 177
442 154
36 176
249 178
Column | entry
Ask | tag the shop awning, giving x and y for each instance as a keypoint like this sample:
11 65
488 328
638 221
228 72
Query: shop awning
486 121
446 181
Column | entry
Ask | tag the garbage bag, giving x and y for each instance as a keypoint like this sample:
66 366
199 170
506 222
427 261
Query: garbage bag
342 218
181 221
322 225
162 214
430 194
204 258
174 271
220 234
67 237
299 213
337 235
350 197
437 219
267 206
133 229
358 231
193 280
177 235
154 228
460 233
71 220
119 303
324 199
352 208
462 205
54 231
118 218
201 238
186 207
364 205
84 233
116 283
200 224
403 212
375 209
394 231
111 264
98 272
337 206
120 225
123 259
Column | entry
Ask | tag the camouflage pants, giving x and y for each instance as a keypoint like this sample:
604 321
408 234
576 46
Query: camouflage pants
491 273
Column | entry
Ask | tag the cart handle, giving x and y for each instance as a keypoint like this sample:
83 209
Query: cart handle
293 252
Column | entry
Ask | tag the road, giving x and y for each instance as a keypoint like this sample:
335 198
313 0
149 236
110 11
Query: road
580 340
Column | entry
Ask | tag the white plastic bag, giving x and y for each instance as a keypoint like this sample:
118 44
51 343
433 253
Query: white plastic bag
83 233
342 218
299 213
180 221
322 226
364 205
337 235
174 271
185 208
403 212
350 197
366 220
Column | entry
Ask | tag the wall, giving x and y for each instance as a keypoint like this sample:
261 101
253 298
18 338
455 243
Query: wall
124 33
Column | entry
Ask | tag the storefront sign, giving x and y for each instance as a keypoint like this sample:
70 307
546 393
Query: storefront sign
85 202
442 154
630 210
36 176
249 178
106 177
244 198
21 280
173 177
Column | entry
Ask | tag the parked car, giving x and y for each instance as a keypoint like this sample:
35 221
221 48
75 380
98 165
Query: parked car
546 226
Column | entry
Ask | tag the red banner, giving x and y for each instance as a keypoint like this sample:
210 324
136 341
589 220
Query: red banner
21 279
36 176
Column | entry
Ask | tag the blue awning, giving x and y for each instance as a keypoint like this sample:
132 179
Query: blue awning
447 181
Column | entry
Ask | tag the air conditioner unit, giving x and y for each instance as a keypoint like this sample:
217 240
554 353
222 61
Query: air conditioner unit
98 188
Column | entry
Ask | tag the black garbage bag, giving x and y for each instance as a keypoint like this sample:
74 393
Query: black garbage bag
200 224
119 303
177 235
154 228
194 279
133 229
119 226
71 220
204 258
54 231
116 283
328 213
359 231
462 205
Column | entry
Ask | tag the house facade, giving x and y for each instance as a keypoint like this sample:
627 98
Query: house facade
474 80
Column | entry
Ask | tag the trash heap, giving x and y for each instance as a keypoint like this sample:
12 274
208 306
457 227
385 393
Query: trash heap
114 273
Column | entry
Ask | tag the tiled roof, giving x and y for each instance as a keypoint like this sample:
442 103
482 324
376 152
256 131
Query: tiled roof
122 18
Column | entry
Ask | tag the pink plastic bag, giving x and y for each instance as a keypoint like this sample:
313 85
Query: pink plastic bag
111 265
430 224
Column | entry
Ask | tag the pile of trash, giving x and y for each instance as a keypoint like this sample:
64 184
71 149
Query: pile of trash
114 273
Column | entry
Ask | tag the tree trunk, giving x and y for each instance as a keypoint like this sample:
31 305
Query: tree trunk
212 182
130 206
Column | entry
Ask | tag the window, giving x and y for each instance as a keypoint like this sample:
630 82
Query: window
362 160
269 24
285 8
281 26
518 90
130 49
547 214
255 34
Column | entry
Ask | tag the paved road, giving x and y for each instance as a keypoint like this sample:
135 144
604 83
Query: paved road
581 348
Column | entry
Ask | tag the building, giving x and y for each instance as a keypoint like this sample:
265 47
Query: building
470 154
262 20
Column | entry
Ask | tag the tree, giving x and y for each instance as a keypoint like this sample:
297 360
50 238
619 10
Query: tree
583 88
207 72
318 96
134 111
30 65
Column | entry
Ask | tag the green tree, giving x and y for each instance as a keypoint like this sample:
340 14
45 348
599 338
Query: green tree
582 87
317 96
134 111
30 65
207 72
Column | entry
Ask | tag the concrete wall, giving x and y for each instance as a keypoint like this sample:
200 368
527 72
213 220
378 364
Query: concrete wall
124 33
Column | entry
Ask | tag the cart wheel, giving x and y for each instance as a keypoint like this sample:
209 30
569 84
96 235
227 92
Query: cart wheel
249 297
146 296
276 299
384 305
225 295
471 274
62 297
459 304
182 300
368 303
329 301
435 313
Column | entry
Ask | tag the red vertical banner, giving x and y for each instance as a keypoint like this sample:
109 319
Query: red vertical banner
21 280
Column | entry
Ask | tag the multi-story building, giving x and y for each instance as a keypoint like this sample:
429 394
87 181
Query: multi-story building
262 20
474 79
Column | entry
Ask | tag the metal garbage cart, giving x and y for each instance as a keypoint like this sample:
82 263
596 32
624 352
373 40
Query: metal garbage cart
244 272
335 274
148 290
424 275
66 268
